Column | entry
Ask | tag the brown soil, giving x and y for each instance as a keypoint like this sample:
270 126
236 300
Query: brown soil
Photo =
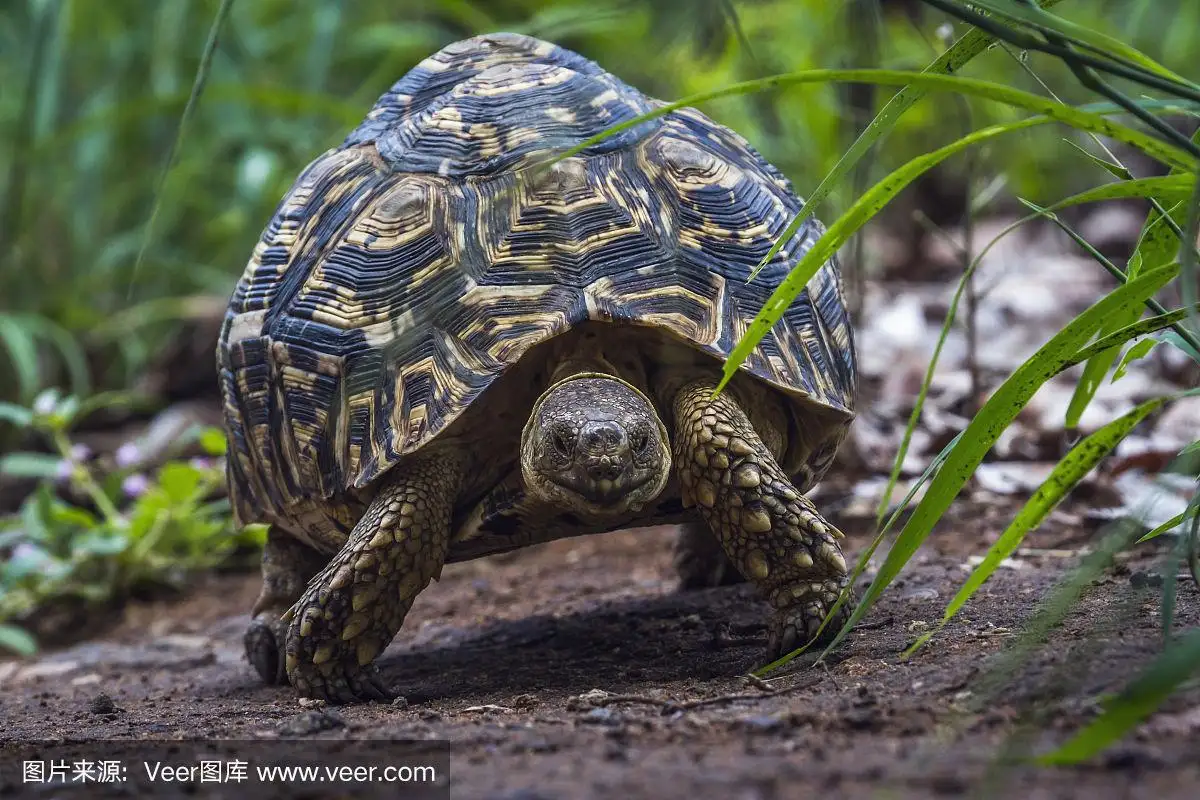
522 635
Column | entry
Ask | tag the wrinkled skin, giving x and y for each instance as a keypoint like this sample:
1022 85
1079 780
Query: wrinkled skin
594 445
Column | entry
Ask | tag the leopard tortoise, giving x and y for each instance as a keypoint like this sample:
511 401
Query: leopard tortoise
443 348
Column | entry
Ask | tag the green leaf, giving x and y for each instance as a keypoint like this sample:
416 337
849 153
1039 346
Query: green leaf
1176 340
1116 170
1119 337
1171 189
1174 521
1062 479
64 515
22 355
68 348
213 441
108 400
29 560
179 480
17 415
30 465
1190 260
17 640
100 543
34 513
1136 351
995 416
1144 694
1098 365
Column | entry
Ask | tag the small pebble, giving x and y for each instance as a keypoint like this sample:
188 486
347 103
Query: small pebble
602 716
103 704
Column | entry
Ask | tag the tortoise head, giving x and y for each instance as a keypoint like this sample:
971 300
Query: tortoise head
595 446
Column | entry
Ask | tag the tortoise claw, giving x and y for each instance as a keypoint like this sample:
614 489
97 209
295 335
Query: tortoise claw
264 651
797 625
344 684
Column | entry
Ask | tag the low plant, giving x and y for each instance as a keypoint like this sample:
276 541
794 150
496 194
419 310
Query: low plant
130 529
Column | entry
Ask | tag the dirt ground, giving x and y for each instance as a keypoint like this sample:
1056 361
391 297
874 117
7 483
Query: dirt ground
495 656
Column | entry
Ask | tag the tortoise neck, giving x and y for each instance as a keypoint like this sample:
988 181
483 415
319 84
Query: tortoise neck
583 363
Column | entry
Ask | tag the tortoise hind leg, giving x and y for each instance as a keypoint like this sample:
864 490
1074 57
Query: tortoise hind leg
700 560
772 532
354 607
287 566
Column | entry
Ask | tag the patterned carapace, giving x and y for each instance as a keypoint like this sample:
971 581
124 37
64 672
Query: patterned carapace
411 266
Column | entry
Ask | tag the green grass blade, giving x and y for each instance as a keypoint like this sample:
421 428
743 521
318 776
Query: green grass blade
1143 695
1158 243
1069 471
995 416
1178 341
1188 260
927 381
1174 521
206 57
1193 552
15 414
1136 352
29 465
953 59
1118 171
12 202
17 640
1119 337
70 350
865 558
859 214
1069 115
1144 187
1151 250
1081 36
22 353
1096 368
1166 189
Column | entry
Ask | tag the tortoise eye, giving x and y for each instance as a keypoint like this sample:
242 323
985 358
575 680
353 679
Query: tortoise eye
640 441
562 442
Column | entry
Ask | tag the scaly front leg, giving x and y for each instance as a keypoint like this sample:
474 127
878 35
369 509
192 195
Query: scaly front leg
355 606
772 532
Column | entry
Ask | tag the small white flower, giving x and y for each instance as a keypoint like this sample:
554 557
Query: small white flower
80 453
135 485
127 455
45 404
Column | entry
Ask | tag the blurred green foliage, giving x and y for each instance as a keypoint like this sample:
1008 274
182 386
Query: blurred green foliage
128 527
94 91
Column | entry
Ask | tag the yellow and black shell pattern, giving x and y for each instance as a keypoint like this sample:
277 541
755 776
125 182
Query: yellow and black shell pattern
409 267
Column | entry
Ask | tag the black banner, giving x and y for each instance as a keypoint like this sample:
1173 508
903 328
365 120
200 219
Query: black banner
260 768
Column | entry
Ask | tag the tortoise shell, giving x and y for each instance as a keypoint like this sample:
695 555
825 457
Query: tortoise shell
409 268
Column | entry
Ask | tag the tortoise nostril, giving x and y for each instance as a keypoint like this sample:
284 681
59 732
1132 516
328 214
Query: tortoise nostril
602 437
